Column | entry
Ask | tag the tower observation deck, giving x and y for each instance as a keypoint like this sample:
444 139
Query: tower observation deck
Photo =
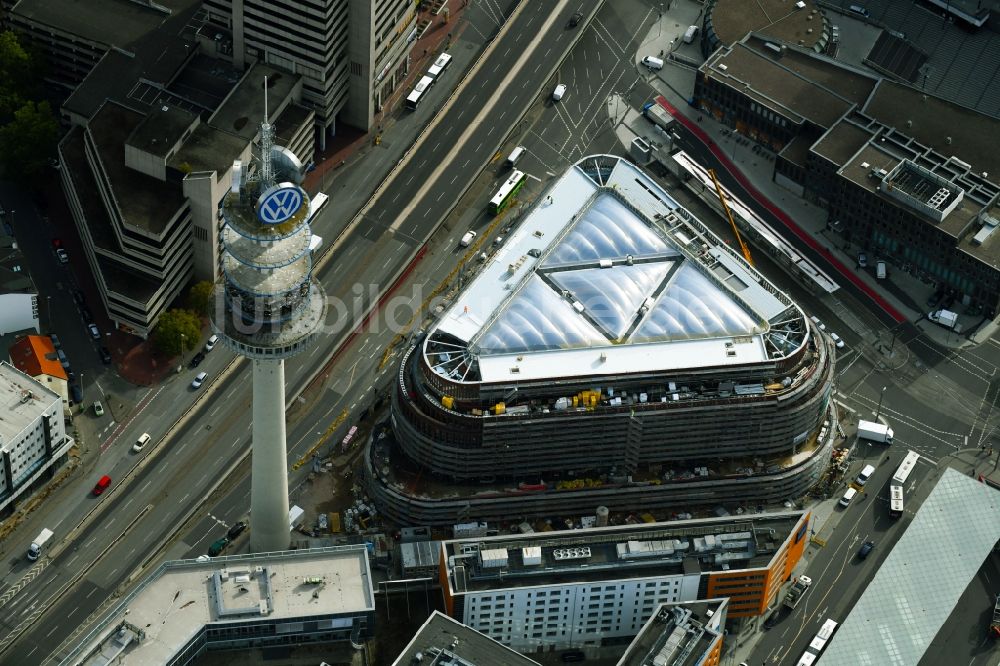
267 308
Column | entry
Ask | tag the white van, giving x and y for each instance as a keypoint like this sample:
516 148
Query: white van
653 63
848 496
515 155
880 270
690 34
866 474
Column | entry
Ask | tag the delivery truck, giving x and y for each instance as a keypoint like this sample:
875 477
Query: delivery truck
657 115
797 591
945 318
35 549
875 432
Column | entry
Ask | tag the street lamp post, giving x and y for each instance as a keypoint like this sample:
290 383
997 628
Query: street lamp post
880 396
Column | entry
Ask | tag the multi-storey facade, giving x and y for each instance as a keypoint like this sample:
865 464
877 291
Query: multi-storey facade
684 634
351 54
145 187
241 602
614 337
596 586
902 173
33 436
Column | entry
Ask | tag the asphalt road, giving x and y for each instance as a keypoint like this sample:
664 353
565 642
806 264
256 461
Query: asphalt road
146 511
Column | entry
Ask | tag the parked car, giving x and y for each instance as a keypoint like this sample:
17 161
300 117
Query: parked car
76 393
218 546
98 408
85 312
105 355
94 332
212 341
467 238
820 325
236 530
575 19
62 256
862 260
197 359
79 297
866 548
837 340
56 244
199 380
55 341
559 92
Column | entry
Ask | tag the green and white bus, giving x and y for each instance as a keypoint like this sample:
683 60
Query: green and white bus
505 195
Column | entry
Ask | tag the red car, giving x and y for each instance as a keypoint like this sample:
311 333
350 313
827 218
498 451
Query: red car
102 485
56 243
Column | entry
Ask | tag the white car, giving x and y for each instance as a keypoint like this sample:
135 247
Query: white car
141 442
467 238
62 256
558 93
820 325
199 380
836 340
94 333
212 341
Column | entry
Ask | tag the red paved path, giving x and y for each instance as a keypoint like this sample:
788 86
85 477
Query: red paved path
804 236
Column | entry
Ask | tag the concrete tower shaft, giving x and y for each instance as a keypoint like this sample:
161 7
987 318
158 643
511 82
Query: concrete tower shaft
268 308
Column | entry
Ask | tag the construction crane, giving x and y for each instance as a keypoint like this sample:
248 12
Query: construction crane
725 207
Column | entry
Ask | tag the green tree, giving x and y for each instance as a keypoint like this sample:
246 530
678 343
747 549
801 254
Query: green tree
200 297
177 331
16 75
28 141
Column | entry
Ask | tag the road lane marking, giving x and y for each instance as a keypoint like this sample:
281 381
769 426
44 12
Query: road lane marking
90 594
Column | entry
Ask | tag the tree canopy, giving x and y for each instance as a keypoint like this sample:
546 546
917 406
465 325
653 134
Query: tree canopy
29 131
177 331
200 297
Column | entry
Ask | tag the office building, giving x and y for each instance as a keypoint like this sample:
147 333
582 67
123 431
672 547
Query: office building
802 23
613 352
145 179
33 437
442 641
19 302
593 587
903 174
683 634
184 609
351 54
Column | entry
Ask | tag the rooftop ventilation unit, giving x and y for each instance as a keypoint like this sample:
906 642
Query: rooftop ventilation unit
572 553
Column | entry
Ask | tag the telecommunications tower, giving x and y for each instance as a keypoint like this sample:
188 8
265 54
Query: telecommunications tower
268 308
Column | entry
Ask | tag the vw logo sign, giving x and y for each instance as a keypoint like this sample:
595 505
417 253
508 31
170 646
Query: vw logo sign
279 203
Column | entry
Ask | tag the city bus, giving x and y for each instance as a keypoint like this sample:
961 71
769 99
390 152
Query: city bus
441 64
896 492
415 97
505 195
895 501
317 202
823 636
903 472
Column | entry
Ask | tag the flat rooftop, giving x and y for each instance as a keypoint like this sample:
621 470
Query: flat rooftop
922 578
113 22
22 401
617 552
678 634
443 641
242 112
948 128
609 275
177 601
778 19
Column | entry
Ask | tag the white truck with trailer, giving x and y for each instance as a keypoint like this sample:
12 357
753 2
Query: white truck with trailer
876 432
35 549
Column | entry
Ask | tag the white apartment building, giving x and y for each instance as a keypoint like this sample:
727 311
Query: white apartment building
32 433
589 587
351 54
